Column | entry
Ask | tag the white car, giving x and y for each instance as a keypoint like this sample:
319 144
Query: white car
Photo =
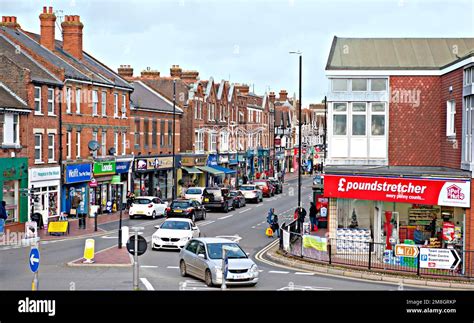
174 233
251 193
194 193
148 206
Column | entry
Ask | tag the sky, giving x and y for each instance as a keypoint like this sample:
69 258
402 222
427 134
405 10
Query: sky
244 41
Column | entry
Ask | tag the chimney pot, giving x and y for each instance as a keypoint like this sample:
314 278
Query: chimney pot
125 71
50 9
48 28
10 21
44 9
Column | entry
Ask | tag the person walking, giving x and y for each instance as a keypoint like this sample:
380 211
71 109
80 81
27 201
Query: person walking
271 212
274 225
3 216
313 217
301 216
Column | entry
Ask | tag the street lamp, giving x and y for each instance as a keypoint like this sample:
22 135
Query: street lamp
117 182
174 141
299 126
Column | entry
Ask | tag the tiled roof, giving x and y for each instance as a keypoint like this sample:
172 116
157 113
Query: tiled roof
144 96
164 86
397 53
9 100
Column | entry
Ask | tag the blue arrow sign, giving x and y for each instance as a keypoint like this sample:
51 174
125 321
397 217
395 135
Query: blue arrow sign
34 259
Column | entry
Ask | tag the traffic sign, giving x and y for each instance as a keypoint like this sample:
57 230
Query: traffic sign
439 258
34 259
406 250
142 245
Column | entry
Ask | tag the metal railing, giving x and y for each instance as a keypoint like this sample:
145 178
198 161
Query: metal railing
368 255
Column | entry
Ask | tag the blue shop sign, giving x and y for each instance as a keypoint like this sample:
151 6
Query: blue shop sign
212 160
122 167
78 173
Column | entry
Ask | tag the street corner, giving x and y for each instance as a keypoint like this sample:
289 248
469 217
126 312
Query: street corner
110 257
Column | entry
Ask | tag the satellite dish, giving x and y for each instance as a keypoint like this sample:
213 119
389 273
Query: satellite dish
93 145
112 151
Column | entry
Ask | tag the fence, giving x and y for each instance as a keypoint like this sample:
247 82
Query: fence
366 254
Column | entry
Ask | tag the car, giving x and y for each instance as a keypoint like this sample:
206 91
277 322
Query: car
217 198
239 198
194 193
202 258
267 188
174 233
149 206
251 193
277 184
189 209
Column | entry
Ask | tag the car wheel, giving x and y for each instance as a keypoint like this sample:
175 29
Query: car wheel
208 278
182 268
153 215
132 217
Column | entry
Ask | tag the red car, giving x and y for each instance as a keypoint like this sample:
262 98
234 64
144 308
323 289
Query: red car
267 188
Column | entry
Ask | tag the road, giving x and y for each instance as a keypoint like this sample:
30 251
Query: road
159 269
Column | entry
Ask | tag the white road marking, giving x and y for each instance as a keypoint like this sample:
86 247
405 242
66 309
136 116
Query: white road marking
246 210
260 270
278 272
253 227
172 267
147 283
304 274
205 223
144 266
225 217
235 237
258 205
109 237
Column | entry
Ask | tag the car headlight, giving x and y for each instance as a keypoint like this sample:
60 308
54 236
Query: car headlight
186 238
254 269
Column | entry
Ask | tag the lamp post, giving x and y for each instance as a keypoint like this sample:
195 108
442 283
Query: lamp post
117 182
299 126
174 141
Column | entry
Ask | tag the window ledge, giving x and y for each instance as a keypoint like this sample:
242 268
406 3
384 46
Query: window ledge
78 114
52 161
104 116
116 117
52 115
69 113
451 137
95 115
11 146
38 162
38 113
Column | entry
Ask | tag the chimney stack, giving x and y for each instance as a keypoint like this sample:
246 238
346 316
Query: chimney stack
72 35
125 71
47 24
176 71
10 22
189 75
283 95
150 74
242 89
271 97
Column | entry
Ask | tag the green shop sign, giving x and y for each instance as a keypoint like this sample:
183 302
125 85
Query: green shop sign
104 168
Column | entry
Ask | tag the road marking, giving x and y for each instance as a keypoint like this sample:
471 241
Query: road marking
147 284
260 270
304 274
258 205
205 223
172 267
246 210
253 227
144 266
278 272
225 217
235 237
109 237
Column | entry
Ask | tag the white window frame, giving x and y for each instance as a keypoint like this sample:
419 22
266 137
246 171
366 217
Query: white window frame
451 118
358 113
95 136
95 103
51 148
124 143
68 100
212 144
116 142
51 101
199 144
103 143
40 148
196 102
68 144
78 101
378 79
104 103
335 113
116 105
124 106
384 113
348 85
366 85
38 100
78 144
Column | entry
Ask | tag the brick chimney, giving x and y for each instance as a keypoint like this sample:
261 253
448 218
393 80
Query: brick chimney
242 89
72 35
9 21
47 24
125 71
175 71
150 74
189 75
271 97
283 95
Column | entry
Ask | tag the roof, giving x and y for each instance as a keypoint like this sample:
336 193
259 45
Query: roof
9 100
397 53
164 86
404 171
145 97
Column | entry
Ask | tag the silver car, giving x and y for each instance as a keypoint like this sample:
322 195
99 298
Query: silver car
202 258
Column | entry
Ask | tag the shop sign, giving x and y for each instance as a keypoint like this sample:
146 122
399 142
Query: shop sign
439 258
223 159
188 161
93 183
448 231
78 173
406 250
104 168
154 163
451 192
212 160
122 167
44 174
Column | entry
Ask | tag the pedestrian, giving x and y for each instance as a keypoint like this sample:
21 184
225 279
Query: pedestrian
3 216
245 179
313 213
130 198
301 217
271 212
274 225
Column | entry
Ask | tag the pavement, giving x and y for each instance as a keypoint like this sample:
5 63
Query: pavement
109 257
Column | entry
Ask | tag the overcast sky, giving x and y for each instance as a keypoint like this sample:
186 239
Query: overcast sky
244 41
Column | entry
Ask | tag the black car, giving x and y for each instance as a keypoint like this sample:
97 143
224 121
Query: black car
186 209
239 199
278 185
217 198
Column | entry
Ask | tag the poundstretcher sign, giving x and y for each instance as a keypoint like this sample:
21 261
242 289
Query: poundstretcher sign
448 192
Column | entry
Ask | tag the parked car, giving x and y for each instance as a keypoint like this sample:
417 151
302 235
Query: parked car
183 208
251 193
202 258
277 184
174 233
217 198
239 199
147 206
267 188
194 193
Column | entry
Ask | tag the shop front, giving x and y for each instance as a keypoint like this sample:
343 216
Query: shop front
426 211
75 197
191 174
102 192
123 168
45 182
153 176
252 163
13 177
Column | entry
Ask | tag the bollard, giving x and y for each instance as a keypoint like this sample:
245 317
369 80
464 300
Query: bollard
125 235
89 251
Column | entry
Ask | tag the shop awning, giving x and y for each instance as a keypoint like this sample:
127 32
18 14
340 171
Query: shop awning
224 169
192 170
211 170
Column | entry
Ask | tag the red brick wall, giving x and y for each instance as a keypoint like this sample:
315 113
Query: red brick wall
415 131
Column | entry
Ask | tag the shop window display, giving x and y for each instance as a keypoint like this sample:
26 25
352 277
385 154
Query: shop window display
10 196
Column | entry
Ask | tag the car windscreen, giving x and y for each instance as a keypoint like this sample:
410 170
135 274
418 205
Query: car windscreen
175 225
142 201
233 250
247 188
216 193
183 204
194 191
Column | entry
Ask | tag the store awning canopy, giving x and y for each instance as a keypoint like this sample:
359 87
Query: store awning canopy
211 170
192 170
224 169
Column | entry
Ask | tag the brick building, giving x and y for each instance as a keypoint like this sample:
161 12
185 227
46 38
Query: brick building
399 113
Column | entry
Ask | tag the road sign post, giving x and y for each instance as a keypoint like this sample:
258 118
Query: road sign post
34 262
136 246
225 265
